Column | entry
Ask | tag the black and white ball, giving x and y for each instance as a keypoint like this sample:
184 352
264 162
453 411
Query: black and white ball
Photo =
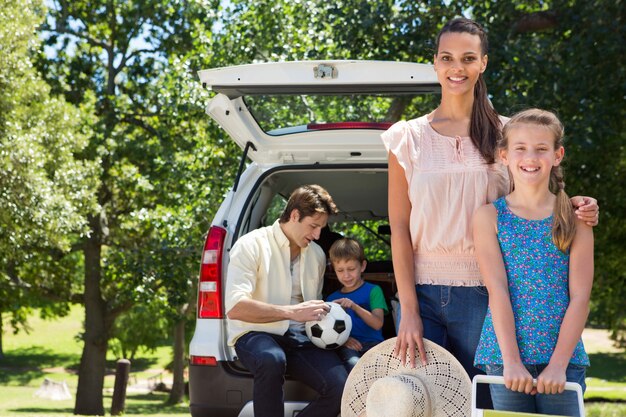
332 331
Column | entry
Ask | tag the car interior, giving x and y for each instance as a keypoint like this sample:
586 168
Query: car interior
360 193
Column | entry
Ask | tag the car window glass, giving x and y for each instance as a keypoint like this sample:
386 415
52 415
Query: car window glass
276 113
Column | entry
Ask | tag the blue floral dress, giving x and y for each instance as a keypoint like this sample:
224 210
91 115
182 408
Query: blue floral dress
537 273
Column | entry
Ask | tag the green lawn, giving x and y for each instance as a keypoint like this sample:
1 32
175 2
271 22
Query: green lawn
52 351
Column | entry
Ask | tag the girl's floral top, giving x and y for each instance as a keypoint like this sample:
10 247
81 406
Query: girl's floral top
537 273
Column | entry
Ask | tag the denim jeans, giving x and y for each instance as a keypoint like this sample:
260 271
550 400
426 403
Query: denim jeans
350 356
453 318
268 357
565 404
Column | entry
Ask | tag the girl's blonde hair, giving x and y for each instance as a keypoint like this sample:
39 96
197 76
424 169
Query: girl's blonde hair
564 223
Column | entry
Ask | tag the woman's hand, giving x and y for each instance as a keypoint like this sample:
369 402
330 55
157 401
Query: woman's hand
410 337
586 209
517 378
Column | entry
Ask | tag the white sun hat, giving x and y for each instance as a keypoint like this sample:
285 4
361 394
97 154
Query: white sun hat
381 386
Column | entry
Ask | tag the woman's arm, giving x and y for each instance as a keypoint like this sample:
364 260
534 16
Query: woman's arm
410 331
516 377
552 379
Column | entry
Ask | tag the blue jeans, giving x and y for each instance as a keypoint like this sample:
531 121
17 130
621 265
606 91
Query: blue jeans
453 318
565 404
268 357
350 356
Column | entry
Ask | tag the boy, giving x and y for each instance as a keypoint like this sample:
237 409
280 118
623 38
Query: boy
363 301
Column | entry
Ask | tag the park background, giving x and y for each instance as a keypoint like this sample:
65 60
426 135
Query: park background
110 171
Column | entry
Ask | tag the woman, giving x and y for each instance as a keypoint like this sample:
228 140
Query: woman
442 167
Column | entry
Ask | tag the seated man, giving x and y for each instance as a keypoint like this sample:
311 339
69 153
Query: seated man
273 286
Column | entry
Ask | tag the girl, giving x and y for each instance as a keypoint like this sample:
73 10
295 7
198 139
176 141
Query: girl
441 169
537 261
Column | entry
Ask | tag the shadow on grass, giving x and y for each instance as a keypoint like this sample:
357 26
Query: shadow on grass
153 403
608 366
41 410
20 366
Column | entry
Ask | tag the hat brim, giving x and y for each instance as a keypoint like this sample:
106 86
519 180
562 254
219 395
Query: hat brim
449 385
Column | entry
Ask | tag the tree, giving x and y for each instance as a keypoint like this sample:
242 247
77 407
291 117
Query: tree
46 191
154 151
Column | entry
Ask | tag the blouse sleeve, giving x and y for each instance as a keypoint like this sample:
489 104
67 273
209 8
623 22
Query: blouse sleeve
398 140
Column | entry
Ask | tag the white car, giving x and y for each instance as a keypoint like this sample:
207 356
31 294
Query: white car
306 122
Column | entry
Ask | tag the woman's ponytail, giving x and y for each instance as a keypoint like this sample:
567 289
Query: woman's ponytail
485 125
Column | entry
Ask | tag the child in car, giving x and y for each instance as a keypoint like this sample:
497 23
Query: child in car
363 301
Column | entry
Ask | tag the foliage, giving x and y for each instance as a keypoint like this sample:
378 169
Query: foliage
46 191
161 161
142 327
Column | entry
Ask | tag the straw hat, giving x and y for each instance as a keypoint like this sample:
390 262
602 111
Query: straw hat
381 385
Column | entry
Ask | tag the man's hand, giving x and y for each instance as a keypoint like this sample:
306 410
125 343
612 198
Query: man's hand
312 310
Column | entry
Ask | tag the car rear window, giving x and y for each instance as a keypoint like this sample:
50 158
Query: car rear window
284 114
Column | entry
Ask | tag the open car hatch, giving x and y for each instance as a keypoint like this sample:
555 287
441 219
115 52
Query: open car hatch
317 111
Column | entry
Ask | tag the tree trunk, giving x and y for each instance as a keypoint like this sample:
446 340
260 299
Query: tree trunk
1 334
177 394
93 359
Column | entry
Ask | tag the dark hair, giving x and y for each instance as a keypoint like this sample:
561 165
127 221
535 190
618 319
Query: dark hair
485 125
346 249
309 200
564 223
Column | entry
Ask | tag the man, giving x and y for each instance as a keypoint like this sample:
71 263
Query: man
273 286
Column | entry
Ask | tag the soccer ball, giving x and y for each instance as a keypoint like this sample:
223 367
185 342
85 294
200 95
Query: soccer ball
332 331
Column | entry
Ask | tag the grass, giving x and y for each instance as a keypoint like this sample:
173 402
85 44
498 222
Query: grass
52 351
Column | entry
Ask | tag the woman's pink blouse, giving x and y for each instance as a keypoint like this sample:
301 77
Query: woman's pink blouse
448 180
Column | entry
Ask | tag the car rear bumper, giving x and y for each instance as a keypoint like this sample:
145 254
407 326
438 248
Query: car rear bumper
219 391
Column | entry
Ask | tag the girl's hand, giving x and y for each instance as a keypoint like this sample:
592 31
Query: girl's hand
586 209
344 302
353 344
410 337
517 378
551 380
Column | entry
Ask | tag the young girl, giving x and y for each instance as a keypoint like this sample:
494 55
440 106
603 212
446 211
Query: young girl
537 262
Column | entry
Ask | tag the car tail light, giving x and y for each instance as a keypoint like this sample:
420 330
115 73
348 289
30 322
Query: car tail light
210 284
203 360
